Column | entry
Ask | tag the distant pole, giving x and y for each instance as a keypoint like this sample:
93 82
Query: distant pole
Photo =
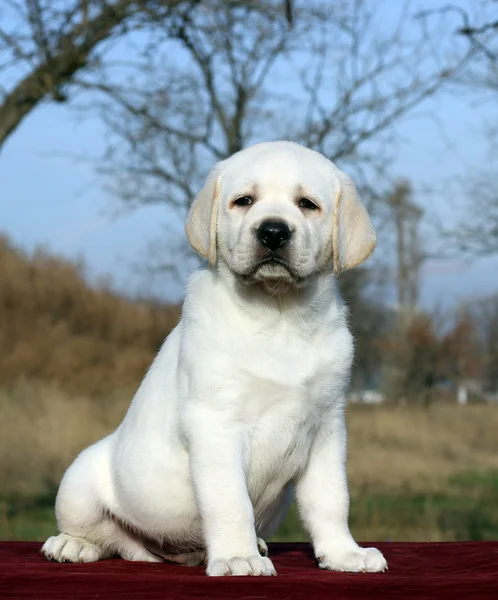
462 394
406 216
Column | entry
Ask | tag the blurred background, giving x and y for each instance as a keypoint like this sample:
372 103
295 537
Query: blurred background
111 114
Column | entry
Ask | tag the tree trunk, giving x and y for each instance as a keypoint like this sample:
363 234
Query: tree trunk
73 51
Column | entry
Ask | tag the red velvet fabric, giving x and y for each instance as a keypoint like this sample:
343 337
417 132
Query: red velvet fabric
429 571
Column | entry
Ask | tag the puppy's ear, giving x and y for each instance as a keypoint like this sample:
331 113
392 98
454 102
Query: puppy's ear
354 238
202 218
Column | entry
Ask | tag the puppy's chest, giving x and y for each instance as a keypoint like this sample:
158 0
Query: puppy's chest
290 383
285 353
282 422
280 445
287 394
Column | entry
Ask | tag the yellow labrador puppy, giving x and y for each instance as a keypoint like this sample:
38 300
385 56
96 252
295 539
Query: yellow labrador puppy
245 400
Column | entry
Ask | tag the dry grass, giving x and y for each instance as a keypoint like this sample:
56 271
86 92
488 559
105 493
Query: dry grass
414 474
56 328
391 449
415 449
44 428
72 356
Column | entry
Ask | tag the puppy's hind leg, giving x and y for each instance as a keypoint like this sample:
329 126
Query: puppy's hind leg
87 531
106 540
79 511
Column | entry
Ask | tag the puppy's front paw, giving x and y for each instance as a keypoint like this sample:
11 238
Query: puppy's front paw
252 565
354 560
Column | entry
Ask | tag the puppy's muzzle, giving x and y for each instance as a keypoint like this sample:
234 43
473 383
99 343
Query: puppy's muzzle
273 235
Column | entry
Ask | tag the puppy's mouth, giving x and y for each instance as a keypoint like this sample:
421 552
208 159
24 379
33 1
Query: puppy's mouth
272 268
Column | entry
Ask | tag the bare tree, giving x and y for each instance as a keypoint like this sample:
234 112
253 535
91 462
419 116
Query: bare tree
226 75
485 315
481 30
476 232
461 354
368 320
44 44
409 359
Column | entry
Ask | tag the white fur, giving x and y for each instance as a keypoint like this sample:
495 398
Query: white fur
245 399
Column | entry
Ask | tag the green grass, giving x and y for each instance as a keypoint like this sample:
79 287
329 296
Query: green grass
27 518
466 509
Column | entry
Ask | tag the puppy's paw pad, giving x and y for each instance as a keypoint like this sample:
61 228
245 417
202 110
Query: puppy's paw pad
253 565
66 548
360 560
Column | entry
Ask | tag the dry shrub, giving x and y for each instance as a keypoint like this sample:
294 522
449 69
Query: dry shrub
57 328
44 428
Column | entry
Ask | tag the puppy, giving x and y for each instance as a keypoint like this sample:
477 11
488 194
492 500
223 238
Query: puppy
245 401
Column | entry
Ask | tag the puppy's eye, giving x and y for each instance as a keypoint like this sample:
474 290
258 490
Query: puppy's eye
307 204
243 201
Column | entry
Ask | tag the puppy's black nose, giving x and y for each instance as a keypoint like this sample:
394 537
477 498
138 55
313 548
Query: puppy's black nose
273 234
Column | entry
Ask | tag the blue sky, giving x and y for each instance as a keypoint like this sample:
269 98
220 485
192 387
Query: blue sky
48 197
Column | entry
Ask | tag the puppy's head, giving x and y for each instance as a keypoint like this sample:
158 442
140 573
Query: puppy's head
279 213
